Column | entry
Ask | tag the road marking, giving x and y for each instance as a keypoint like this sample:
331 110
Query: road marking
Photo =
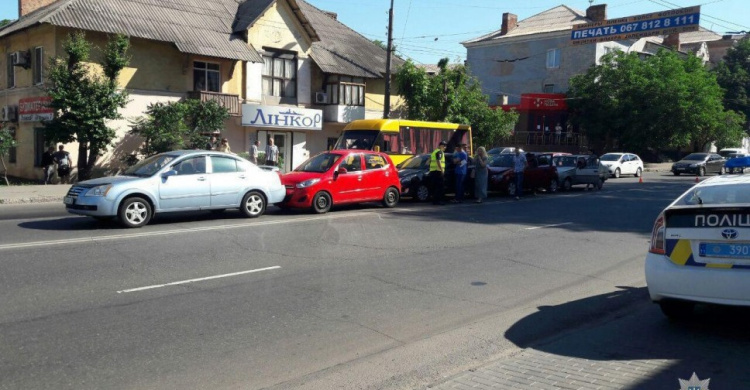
68 241
198 279
548 226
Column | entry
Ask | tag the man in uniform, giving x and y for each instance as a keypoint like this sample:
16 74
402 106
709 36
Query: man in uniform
437 172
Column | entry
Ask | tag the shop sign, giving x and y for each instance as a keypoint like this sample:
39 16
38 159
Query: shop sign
35 109
281 117
639 26
543 102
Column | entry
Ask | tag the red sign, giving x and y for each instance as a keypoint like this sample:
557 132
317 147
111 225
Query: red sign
543 102
35 109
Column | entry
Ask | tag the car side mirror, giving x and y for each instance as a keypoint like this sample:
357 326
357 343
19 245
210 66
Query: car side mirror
342 170
169 173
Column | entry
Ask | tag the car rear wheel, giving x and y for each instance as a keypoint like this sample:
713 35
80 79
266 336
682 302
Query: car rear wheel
702 171
422 193
567 184
676 310
321 203
390 199
638 172
253 204
134 212
617 173
552 187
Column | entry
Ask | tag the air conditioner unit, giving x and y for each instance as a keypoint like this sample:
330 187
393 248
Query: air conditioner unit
321 98
20 58
9 114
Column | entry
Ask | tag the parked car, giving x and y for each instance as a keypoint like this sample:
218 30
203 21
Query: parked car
699 164
503 150
414 174
727 152
342 177
700 248
580 169
622 164
177 181
737 163
540 173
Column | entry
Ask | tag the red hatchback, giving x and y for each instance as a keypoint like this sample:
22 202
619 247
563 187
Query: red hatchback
341 177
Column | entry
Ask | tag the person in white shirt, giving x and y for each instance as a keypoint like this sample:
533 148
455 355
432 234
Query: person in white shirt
272 153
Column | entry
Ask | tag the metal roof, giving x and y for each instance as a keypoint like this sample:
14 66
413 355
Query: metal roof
559 18
202 27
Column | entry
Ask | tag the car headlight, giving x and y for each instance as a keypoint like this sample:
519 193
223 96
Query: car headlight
307 183
101 190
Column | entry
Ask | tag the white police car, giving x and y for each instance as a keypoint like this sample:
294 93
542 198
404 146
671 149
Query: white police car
700 248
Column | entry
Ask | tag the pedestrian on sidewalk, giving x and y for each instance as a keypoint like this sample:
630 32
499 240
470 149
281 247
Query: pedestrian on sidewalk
480 174
460 159
254 151
48 164
211 143
558 133
272 153
62 158
519 165
437 173
224 146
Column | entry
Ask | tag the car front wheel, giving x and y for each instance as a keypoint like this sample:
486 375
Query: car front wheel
422 193
617 173
567 184
321 203
390 199
134 212
253 204
638 172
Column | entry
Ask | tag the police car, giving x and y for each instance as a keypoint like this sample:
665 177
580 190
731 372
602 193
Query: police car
700 248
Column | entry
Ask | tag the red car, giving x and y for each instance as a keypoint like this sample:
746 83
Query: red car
341 177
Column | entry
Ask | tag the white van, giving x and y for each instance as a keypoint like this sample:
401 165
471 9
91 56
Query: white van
727 151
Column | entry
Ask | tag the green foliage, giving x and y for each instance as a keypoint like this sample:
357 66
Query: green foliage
85 101
453 95
178 125
733 74
662 101
5 22
7 142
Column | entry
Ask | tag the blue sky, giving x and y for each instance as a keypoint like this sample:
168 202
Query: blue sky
427 30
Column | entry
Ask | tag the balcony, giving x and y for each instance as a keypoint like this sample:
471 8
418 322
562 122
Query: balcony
343 114
230 102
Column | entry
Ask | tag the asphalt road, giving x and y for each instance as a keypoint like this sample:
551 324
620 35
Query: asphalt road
362 297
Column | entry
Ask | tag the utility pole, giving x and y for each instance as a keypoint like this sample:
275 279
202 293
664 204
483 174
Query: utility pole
389 50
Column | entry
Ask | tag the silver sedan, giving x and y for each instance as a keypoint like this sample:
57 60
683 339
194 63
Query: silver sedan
182 180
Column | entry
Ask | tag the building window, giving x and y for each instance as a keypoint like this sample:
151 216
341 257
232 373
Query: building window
206 76
553 58
12 152
548 88
38 60
346 91
280 75
11 72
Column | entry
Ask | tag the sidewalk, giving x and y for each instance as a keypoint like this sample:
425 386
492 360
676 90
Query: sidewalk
660 167
33 193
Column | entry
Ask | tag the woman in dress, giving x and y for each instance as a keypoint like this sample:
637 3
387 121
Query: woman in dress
480 174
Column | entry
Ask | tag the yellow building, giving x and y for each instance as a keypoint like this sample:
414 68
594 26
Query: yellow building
271 59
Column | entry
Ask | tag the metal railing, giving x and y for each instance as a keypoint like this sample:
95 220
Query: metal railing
541 138
228 101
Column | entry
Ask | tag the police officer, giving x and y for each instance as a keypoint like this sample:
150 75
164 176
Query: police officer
437 171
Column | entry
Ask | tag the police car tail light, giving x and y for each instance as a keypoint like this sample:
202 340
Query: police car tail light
657 236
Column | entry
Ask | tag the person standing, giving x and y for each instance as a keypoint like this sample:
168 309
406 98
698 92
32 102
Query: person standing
211 143
519 165
481 160
272 153
461 160
224 146
48 164
62 158
558 133
437 173
254 152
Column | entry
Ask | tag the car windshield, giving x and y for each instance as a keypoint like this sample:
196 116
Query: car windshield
502 161
149 166
564 161
416 162
611 157
716 195
695 157
319 163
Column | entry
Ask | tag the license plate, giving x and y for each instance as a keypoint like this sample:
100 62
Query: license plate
69 200
737 251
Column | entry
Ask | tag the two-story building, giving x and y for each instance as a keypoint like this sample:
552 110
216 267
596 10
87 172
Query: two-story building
527 65
283 68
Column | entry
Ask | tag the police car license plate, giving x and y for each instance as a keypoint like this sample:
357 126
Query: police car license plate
737 251
69 200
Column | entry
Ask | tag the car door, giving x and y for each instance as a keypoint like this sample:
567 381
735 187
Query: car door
717 163
532 175
228 178
587 171
626 165
347 186
188 189
374 180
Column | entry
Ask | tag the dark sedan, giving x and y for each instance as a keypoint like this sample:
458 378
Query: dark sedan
699 164
539 173
414 174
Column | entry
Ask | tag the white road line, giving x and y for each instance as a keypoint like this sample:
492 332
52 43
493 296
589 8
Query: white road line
197 280
548 226
68 241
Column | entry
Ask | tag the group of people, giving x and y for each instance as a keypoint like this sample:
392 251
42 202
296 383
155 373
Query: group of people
479 174
271 150
59 159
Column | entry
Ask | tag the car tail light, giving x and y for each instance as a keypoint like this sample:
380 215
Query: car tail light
657 236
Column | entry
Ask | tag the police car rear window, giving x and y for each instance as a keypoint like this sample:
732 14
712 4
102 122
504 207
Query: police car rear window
717 195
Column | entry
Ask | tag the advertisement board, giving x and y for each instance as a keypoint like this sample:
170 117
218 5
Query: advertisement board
639 26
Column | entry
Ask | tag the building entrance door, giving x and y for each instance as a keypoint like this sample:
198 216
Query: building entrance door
283 142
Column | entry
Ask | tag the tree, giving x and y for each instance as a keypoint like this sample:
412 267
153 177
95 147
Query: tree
178 125
7 142
453 95
662 101
85 100
733 74
5 22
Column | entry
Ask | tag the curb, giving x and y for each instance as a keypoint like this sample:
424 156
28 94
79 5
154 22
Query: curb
36 199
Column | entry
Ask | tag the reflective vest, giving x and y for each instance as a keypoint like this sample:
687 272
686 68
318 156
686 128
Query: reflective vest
433 160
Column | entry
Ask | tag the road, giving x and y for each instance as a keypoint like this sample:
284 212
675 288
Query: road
362 297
